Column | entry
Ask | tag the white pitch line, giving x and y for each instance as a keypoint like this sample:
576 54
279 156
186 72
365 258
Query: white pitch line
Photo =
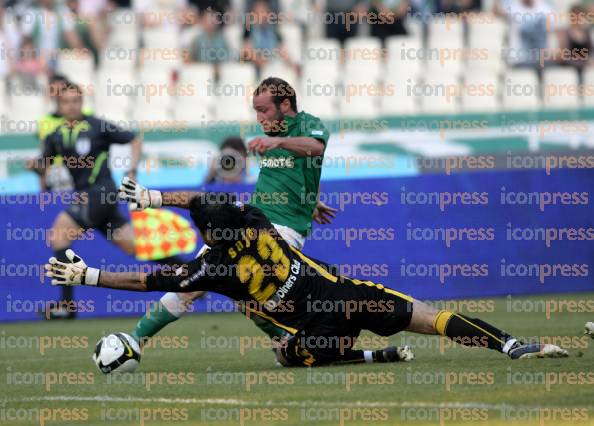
41 358
298 404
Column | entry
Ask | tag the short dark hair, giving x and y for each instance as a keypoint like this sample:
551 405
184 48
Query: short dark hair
55 78
212 211
71 86
236 143
279 89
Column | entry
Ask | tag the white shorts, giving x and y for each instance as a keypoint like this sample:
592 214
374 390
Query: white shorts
292 237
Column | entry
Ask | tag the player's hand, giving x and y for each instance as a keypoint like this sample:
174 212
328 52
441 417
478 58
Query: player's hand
74 272
324 214
137 196
260 145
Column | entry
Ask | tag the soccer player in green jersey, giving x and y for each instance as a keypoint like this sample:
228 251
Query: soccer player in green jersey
291 156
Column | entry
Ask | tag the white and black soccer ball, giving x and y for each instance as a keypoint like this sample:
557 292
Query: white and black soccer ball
117 352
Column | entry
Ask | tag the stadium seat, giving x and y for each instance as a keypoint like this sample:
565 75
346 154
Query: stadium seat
118 59
123 39
154 91
481 92
318 73
360 98
77 66
486 53
319 91
560 88
198 77
194 114
123 29
319 94
325 107
114 94
160 58
240 73
26 108
282 70
159 38
4 99
323 51
153 116
485 29
233 35
154 76
415 28
445 54
122 19
404 56
450 25
588 87
520 90
195 101
439 93
400 102
490 59
292 36
363 55
236 85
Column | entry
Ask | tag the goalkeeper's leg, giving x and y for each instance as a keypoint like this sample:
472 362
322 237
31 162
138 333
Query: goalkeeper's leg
475 332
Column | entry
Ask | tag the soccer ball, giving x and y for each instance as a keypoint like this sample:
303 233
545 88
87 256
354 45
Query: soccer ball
117 352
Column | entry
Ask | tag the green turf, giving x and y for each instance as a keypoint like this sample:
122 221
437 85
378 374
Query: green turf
495 390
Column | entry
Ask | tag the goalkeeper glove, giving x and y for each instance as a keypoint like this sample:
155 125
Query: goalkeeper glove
139 197
75 272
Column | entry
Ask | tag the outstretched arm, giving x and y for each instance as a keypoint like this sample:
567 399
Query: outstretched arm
76 272
141 198
135 281
179 199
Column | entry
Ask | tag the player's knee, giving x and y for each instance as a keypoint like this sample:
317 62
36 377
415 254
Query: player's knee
63 231
188 298
423 318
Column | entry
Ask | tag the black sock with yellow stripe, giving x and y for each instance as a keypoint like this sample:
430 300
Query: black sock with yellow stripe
470 331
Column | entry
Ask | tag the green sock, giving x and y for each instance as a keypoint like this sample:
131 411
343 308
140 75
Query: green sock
269 328
153 321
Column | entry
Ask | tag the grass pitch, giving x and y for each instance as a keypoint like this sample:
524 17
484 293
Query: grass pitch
216 370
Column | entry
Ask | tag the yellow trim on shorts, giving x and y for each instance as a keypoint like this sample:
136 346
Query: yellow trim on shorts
355 281
320 270
401 295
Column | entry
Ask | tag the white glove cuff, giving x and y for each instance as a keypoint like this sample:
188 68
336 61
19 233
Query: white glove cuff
92 276
155 198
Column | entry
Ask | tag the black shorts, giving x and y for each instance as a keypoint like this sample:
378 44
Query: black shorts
98 208
343 310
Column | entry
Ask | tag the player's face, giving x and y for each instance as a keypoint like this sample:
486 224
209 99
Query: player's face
56 88
268 114
70 105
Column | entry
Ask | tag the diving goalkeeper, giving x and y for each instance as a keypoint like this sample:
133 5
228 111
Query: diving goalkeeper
286 190
253 264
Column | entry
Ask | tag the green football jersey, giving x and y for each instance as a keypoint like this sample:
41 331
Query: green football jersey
287 187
